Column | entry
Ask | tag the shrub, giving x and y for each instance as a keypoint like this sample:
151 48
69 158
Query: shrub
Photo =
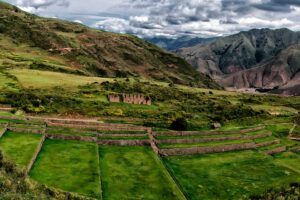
2 28
180 124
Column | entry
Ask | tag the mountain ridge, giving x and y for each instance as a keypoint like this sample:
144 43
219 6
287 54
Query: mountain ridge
172 44
241 59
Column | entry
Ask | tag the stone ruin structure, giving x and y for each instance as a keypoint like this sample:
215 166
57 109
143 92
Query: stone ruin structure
130 99
114 98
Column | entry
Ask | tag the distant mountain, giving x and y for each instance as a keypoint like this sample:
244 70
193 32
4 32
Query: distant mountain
95 52
172 44
259 58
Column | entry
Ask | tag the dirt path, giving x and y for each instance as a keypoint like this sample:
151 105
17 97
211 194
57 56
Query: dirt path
292 130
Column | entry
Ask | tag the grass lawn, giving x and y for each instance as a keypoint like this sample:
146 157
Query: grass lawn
19 147
135 173
234 175
69 165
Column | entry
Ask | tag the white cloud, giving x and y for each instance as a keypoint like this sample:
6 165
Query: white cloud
172 18
78 21
34 6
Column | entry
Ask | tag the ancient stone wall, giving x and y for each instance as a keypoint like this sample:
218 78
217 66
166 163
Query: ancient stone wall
26 130
139 99
110 127
120 135
71 137
152 141
190 133
203 150
124 142
35 155
2 132
295 150
263 144
199 140
29 126
114 98
276 150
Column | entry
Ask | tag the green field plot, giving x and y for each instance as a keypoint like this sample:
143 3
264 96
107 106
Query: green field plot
19 147
234 175
135 173
69 165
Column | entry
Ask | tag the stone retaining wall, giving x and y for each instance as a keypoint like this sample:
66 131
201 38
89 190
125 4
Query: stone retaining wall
28 119
152 141
189 133
124 142
204 150
199 140
2 132
35 155
121 135
100 127
77 122
71 137
81 131
263 144
295 150
36 126
276 150
120 129
26 130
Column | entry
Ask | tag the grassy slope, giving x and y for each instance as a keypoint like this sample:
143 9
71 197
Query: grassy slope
71 166
231 175
19 147
134 173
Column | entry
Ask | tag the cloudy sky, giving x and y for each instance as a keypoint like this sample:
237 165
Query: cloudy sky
171 18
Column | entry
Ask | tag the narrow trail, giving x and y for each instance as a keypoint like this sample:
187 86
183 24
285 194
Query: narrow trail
292 130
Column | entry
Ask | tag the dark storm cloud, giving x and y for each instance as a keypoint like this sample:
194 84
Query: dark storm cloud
278 5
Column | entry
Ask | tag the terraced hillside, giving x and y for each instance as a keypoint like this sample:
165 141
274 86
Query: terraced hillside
120 161
49 44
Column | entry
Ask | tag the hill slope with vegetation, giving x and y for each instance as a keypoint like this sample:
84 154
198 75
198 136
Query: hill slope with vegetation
94 52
